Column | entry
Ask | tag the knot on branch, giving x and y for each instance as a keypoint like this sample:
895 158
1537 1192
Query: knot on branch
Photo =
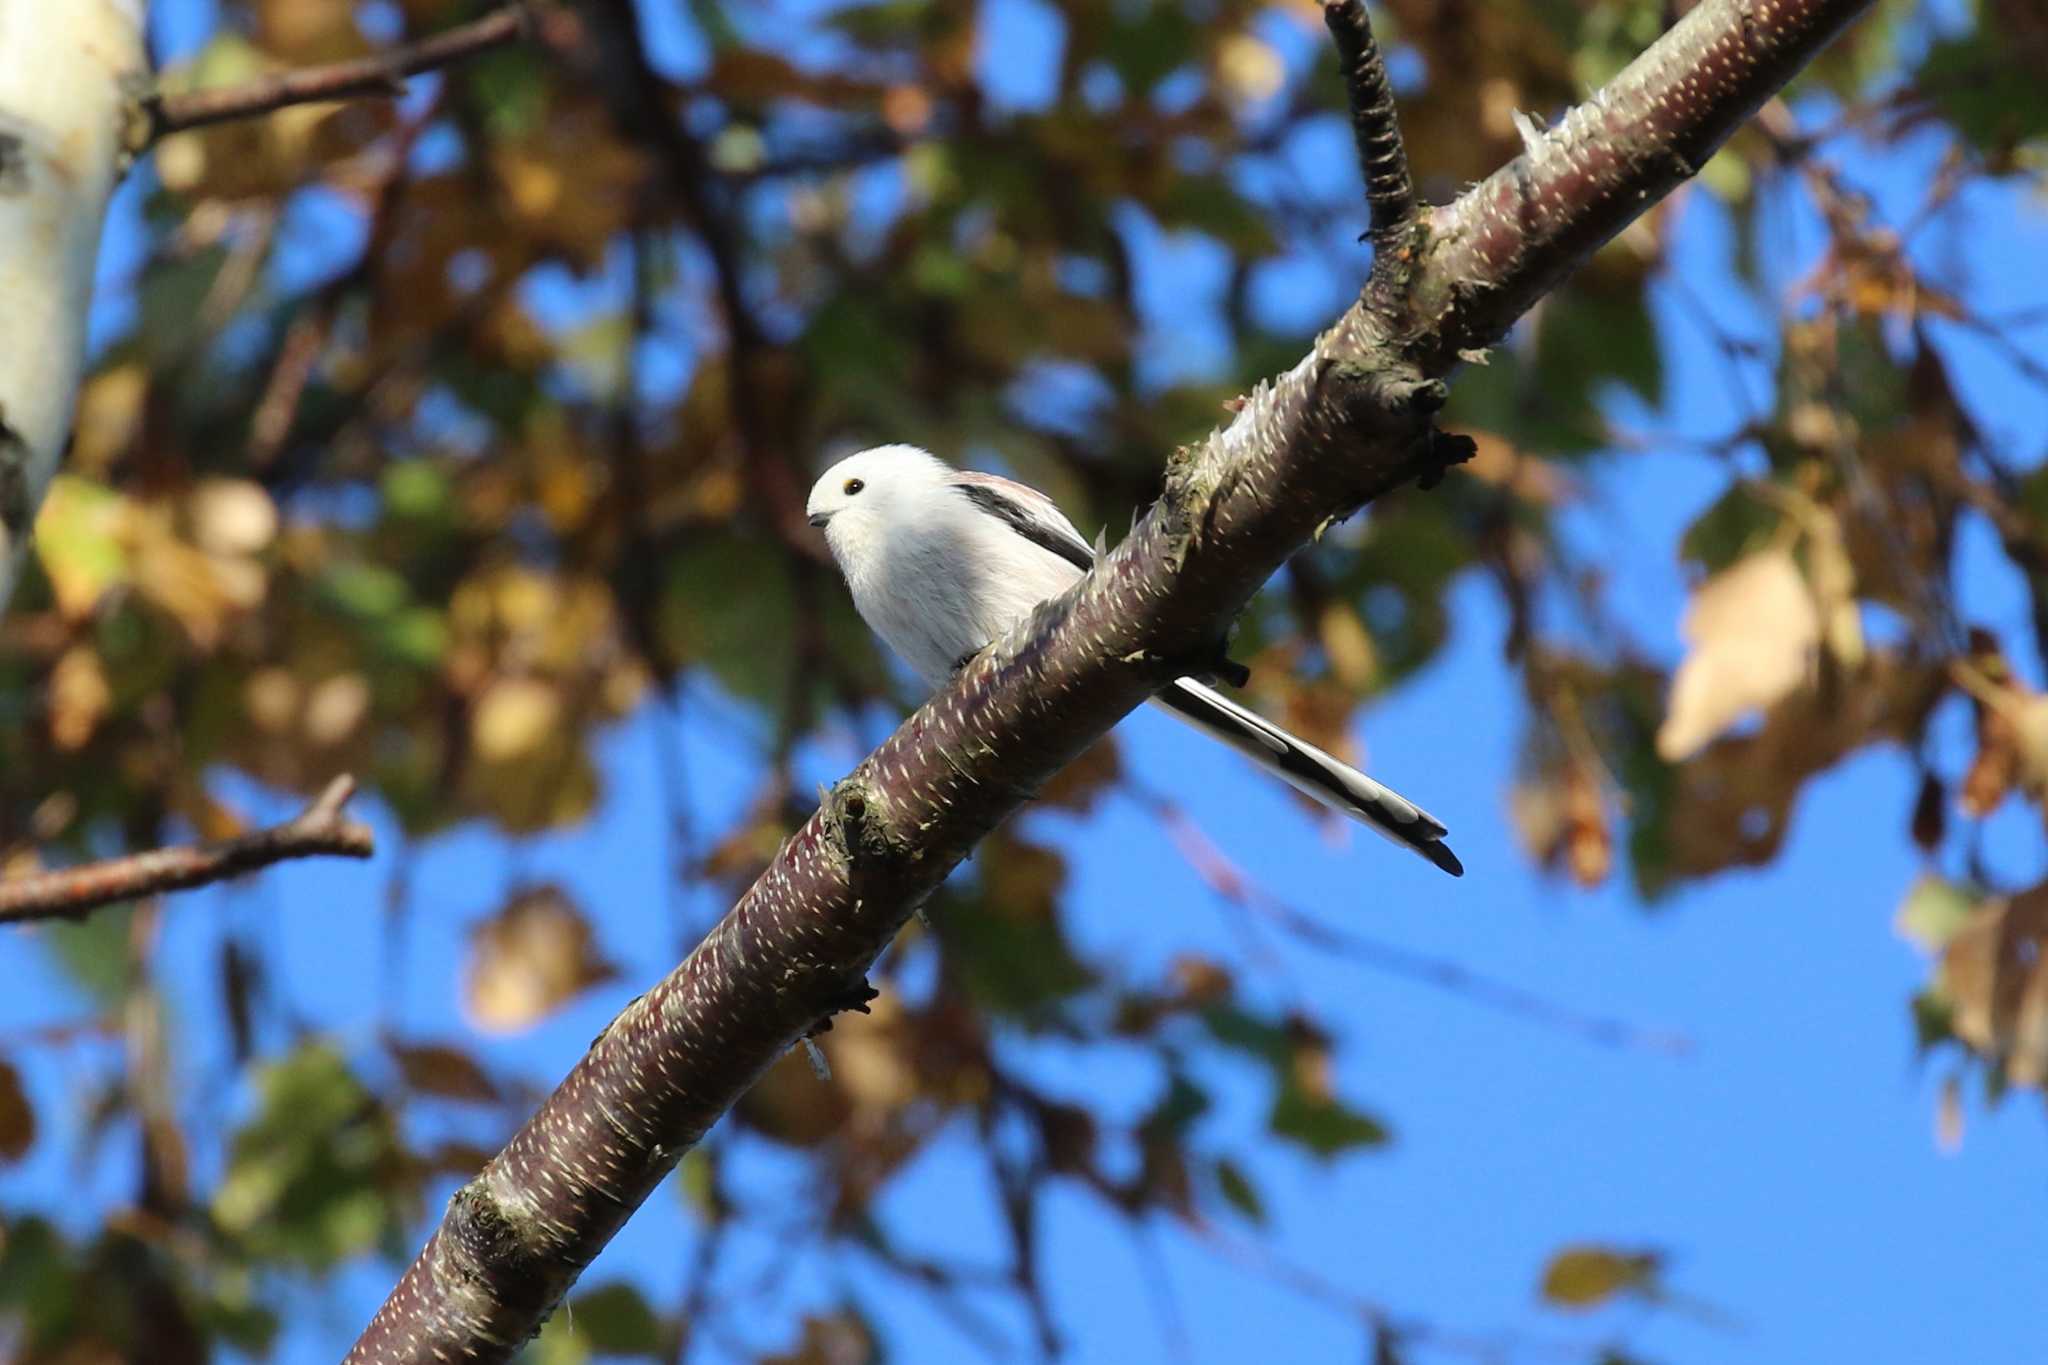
853 997
1445 450
853 822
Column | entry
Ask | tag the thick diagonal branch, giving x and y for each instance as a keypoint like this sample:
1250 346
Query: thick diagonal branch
320 830
1344 425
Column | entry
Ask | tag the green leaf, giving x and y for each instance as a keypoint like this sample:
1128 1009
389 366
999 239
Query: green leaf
1993 101
1590 335
1733 525
365 589
416 635
416 489
1932 912
1183 1103
1009 949
173 298
741 637
1933 1020
1326 1127
616 1320
94 951
310 1177
1261 1038
1238 1191
37 1282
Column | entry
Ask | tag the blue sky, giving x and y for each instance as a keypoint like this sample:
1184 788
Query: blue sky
1786 1162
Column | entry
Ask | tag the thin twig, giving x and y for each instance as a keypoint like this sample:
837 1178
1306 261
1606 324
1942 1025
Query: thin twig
319 830
1375 122
380 75
1230 882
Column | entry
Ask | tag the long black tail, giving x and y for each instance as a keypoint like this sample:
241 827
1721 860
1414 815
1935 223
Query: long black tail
1311 771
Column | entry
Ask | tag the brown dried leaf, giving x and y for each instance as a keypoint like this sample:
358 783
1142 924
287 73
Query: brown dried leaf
78 697
1994 976
17 1117
1930 815
528 960
871 1059
792 1104
1728 805
1753 631
1347 645
842 1339
1996 765
1561 814
1948 1117
1082 783
437 1069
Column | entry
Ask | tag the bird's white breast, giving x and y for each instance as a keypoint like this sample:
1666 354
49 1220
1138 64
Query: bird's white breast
943 586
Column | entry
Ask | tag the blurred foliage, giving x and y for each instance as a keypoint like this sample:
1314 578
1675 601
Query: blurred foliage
435 436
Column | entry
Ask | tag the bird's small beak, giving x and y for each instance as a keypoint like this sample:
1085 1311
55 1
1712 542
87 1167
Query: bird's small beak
818 519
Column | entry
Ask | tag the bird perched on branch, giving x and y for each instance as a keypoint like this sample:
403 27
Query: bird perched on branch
942 561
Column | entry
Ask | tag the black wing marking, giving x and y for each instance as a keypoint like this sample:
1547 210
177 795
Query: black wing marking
1000 505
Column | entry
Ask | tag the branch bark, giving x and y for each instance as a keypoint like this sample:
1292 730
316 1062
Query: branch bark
1347 423
69 893
65 75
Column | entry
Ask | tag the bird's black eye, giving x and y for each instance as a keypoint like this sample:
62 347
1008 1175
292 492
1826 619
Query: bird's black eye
854 486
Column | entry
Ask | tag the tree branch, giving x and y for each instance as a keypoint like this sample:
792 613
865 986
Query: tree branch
1375 122
1349 422
69 893
380 75
1508 241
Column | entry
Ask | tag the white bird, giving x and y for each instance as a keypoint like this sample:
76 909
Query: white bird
942 561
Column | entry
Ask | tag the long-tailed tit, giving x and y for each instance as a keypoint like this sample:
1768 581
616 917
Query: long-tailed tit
940 562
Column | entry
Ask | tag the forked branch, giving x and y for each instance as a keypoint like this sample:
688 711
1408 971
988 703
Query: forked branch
320 830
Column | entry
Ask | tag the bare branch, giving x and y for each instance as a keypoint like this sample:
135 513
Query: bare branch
382 75
1232 884
1509 240
1375 122
321 830
1347 423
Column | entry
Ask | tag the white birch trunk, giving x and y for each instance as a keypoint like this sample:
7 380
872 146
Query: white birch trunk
69 73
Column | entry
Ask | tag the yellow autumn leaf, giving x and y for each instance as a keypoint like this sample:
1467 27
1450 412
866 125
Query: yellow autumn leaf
109 415
81 539
527 960
78 697
335 707
512 718
1248 69
231 516
1588 1276
1348 646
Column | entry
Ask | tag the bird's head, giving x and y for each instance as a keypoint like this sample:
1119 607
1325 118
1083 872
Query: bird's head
858 500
